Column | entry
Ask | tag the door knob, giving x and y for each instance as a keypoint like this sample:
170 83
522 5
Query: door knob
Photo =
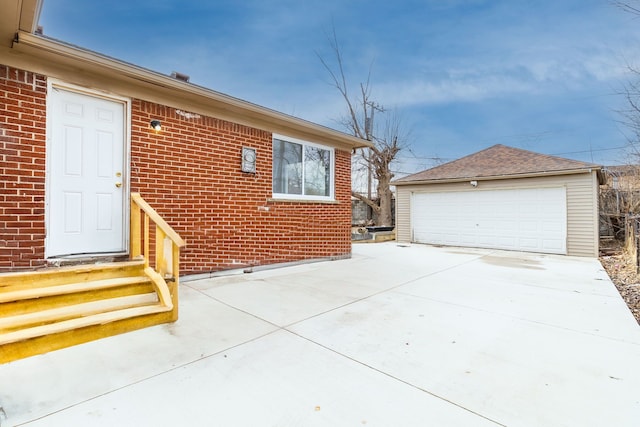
118 184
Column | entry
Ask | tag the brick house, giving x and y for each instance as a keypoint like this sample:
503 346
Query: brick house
108 168
190 171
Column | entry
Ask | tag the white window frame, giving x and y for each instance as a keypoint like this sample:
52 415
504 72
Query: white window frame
303 143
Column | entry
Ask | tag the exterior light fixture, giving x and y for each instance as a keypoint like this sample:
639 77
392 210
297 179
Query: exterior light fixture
156 125
474 183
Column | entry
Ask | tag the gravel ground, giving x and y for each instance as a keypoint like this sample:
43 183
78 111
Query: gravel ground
623 274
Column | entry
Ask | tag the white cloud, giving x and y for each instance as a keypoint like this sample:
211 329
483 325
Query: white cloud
420 92
474 79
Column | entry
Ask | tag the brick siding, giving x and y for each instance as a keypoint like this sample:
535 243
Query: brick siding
190 172
22 168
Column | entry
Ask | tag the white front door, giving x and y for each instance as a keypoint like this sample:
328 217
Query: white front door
85 174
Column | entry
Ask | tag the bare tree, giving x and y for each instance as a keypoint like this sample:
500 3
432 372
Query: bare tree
631 115
620 196
387 139
631 6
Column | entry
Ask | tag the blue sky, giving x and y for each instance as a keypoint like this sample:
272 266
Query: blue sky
463 75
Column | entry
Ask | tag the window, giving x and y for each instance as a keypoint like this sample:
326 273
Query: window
302 170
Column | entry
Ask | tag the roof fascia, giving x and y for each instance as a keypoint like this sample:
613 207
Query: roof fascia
501 177
206 101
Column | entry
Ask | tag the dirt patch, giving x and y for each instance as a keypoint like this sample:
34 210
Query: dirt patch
623 273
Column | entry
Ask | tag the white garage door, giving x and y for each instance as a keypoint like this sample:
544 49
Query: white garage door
532 219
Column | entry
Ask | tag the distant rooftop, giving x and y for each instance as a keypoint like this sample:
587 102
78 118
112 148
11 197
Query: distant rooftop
497 161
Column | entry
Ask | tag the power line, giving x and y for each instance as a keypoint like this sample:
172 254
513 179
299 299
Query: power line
435 159
589 151
551 154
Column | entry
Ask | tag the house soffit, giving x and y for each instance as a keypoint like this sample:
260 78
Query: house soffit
18 15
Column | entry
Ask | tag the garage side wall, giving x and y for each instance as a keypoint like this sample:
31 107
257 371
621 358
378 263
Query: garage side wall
582 205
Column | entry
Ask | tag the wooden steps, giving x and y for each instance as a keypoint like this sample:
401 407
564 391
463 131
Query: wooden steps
55 308
32 293
19 321
80 322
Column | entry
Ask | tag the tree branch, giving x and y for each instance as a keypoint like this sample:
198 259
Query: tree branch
358 118
371 203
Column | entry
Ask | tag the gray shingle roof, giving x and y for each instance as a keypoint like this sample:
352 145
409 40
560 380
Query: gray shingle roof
496 162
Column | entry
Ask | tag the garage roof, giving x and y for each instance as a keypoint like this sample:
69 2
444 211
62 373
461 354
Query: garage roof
499 162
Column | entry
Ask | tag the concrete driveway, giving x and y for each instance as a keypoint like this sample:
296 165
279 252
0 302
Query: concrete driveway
396 336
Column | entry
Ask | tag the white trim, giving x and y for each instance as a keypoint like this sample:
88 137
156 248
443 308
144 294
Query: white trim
302 197
400 182
53 83
434 189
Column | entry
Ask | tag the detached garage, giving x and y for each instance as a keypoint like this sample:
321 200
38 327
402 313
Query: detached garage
503 198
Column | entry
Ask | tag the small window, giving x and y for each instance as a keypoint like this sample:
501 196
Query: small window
302 170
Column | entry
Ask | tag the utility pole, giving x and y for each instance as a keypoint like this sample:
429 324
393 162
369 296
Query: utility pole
368 130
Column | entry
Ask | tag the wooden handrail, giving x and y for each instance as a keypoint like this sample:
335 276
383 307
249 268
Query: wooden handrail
157 219
166 264
161 287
